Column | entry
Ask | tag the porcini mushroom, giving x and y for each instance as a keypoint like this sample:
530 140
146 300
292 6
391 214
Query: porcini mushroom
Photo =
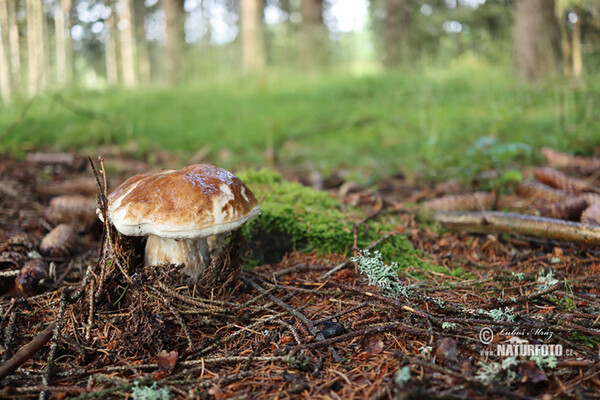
179 210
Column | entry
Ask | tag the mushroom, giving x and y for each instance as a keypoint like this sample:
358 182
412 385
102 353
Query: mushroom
179 210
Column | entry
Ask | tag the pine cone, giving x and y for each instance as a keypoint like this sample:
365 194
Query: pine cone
13 252
84 186
536 190
591 215
558 180
58 242
562 160
570 209
71 210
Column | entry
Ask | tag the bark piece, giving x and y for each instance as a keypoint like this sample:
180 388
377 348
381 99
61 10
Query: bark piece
465 202
58 242
518 224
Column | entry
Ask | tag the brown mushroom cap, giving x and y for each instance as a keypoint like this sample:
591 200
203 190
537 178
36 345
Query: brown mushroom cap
197 201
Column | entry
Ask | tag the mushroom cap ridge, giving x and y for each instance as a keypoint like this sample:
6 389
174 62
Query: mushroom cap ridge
194 202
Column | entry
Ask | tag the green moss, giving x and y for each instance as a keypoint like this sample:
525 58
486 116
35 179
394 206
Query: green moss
316 221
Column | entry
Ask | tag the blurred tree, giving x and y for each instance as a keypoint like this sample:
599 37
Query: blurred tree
536 39
5 82
110 47
253 36
398 31
573 14
64 55
139 18
175 39
15 48
128 45
313 34
36 51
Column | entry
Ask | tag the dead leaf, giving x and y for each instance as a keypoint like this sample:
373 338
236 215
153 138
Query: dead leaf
166 360
446 352
372 344
530 372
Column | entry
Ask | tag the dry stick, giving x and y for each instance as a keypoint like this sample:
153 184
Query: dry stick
8 334
177 316
27 351
505 222
101 200
292 329
298 268
363 332
106 231
90 320
301 317
54 343
186 299
345 263
341 313
237 333
494 302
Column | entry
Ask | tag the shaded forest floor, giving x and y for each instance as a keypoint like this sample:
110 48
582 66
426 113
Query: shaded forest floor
288 329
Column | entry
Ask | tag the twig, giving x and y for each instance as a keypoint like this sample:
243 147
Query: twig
177 316
298 315
237 333
347 262
54 342
186 299
8 335
90 320
505 222
362 332
27 351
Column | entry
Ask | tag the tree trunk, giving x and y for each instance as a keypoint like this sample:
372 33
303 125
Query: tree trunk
398 23
175 41
576 46
139 17
253 38
33 60
62 20
536 39
110 52
565 45
128 48
15 47
312 34
5 82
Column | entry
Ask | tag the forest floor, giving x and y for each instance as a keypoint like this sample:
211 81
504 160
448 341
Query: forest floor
106 327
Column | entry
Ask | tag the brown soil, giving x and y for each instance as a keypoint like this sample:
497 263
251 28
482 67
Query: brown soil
282 330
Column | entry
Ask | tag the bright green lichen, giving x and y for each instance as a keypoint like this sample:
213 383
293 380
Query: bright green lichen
315 220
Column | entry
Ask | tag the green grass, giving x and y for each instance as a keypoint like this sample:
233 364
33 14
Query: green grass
370 125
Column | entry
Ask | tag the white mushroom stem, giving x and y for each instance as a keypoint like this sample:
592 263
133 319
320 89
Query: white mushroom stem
194 253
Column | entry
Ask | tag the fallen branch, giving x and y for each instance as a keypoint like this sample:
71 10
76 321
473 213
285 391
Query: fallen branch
27 351
528 225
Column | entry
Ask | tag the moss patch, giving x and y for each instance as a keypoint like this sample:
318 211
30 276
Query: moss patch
313 220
